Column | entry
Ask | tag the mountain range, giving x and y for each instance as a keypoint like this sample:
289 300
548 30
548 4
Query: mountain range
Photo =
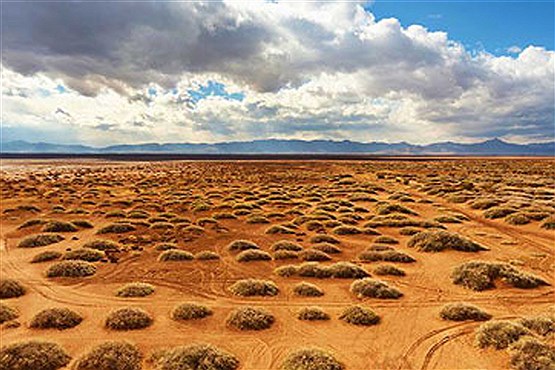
276 146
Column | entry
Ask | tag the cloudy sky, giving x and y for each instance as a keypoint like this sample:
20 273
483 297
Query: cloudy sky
101 73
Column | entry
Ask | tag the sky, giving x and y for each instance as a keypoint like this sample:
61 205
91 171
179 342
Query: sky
103 73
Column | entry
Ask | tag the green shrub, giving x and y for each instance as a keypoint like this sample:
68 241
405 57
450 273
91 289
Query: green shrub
128 319
253 255
254 287
46 256
360 316
59 227
40 240
250 318
438 240
307 290
193 357
372 288
56 318
131 290
7 313
499 334
175 255
71 269
190 311
33 355
312 314
310 359
111 356
463 312
10 288
85 254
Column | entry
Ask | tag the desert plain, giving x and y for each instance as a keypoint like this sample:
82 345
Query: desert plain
299 242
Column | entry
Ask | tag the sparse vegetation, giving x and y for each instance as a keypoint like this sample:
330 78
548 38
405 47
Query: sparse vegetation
250 318
10 288
46 256
85 254
207 255
254 287
389 270
253 255
128 319
286 245
310 359
7 313
528 353
117 228
40 240
111 356
175 255
360 316
56 318
242 245
438 240
59 227
33 355
312 314
136 289
196 356
499 334
372 288
305 289
190 311
102 245
71 269
463 312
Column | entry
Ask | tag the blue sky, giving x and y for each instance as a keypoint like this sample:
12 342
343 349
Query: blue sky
491 25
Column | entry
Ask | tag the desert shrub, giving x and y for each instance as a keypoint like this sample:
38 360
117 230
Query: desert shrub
161 226
56 318
117 228
115 214
499 334
313 269
279 229
286 271
136 289
518 218
72 269
242 245
7 313
102 245
286 245
253 255
388 270
445 219
307 290
358 315
192 230
46 256
225 216
463 312
254 287
386 240
313 255
498 212
257 219
128 319
542 325
480 275
40 240
59 227
324 238
111 356
190 311
250 318
10 288
285 254
327 248
165 246
438 240
386 209
310 359
409 230
372 288
312 314
528 353
207 255
193 357
175 255
385 255
85 254
347 270
33 355
484 203
346 230
30 223
549 223
138 214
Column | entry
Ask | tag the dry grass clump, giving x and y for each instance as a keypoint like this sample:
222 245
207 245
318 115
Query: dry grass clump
484 203
254 287
549 223
30 223
313 269
257 219
102 245
193 357
358 315
387 255
519 218
386 209
33 355
384 239
129 318
207 256
324 238
312 314
310 359
242 245
528 353
40 240
136 289
279 229
314 255
111 356
346 230
56 318
7 313
85 254
499 334
389 270
71 269
372 288
117 228
498 212
286 271
480 275
175 255
542 325
10 288
250 318
463 312
438 240
287 246
46 256
327 248
339 270
347 270
307 290
253 255
165 246
190 311
285 254
59 227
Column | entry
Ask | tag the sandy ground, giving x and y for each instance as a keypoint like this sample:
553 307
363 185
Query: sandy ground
411 334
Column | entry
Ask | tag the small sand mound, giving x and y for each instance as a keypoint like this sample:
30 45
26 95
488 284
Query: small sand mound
102 245
111 356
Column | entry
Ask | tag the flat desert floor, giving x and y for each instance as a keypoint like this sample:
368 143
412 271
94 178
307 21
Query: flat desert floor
343 220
